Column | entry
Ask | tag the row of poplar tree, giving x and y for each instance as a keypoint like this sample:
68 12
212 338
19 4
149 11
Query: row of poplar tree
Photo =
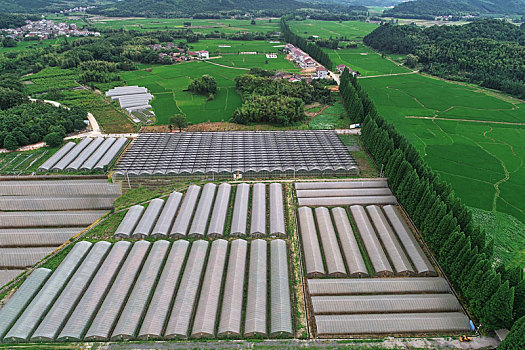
312 49
495 296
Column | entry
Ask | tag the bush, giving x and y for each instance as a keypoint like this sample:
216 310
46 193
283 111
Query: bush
10 142
53 139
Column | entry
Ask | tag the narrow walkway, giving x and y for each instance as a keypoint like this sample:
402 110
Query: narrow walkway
222 65
464 120
387 75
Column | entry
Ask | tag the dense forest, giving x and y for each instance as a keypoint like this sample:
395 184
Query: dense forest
8 20
494 295
280 102
429 9
33 122
486 52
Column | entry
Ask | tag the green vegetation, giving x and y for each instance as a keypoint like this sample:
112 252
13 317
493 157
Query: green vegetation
249 61
205 85
32 122
25 162
428 9
351 30
280 102
333 117
516 338
487 52
203 26
508 235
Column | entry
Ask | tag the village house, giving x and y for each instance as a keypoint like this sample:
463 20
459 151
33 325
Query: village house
321 73
203 55
341 68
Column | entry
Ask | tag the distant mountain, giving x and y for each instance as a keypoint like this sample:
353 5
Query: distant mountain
432 8
174 8
33 6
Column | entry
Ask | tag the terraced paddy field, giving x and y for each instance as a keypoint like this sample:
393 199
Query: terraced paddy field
168 83
197 25
472 137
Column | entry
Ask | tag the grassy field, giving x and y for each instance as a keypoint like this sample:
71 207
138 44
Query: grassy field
197 25
353 30
168 83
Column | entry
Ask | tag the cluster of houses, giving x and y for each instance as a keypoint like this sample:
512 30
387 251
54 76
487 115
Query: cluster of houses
45 29
300 57
311 69
174 53
77 9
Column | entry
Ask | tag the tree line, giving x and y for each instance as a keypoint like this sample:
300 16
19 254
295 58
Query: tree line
312 49
490 53
495 296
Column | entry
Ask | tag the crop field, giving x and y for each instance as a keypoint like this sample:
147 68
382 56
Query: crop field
365 61
259 61
197 25
353 30
217 47
472 137
168 83
51 77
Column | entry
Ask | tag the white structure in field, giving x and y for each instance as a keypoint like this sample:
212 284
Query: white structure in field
271 55
203 54
131 98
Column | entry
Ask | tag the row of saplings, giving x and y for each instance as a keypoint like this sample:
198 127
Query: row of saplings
495 296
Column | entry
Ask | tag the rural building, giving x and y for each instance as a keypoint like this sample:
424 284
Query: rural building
321 73
203 55
341 68
271 55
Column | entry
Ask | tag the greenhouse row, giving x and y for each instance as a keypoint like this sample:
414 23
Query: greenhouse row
343 193
400 323
37 216
88 154
203 211
413 285
60 188
250 154
103 291
346 307
389 244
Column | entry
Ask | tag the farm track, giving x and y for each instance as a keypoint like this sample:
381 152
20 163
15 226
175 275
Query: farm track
464 120
222 65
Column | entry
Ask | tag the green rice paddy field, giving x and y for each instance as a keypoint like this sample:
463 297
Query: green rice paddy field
197 25
168 83
223 46
353 30
473 138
